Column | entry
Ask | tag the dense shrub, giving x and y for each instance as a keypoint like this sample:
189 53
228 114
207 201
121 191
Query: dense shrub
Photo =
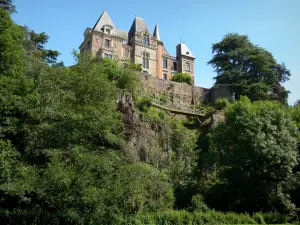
182 78
143 103
221 104
184 217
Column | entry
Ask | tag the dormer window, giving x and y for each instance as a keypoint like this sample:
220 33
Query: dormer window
107 31
146 39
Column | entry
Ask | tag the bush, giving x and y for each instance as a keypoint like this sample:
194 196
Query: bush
144 103
275 218
183 217
182 78
198 204
221 103
164 97
259 218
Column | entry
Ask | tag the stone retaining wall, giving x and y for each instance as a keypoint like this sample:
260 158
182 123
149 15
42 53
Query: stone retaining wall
182 95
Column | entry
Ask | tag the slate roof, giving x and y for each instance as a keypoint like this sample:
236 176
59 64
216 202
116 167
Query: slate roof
184 50
138 25
156 33
121 34
104 19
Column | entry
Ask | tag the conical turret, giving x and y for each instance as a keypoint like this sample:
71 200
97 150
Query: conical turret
156 33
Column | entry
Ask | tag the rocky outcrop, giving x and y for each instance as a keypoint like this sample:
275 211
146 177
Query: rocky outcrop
143 140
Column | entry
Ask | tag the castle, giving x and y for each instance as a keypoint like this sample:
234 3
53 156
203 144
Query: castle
138 45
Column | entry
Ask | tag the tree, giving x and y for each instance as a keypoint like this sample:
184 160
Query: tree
8 6
34 45
248 69
256 149
16 94
139 188
11 37
182 78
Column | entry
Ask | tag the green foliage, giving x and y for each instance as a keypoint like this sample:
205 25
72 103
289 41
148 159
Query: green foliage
34 43
64 156
164 97
275 218
207 108
144 103
248 69
182 78
256 147
139 188
198 204
184 217
155 116
221 104
8 6
69 108
11 54
259 218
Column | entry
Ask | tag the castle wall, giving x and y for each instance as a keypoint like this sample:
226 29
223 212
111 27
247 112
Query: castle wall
181 95
97 43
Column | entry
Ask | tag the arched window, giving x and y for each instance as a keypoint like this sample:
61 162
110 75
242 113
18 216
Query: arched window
146 60
146 39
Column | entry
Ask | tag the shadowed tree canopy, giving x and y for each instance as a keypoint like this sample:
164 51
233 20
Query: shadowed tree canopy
249 69
34 44
7 5
256 163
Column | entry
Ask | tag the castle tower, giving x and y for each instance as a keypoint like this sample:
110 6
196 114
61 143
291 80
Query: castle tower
144 46
105 40
185 60
159 53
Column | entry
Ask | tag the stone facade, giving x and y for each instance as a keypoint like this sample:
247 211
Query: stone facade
139 46
183 95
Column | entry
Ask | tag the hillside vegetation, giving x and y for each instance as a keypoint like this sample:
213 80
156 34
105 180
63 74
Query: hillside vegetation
85 145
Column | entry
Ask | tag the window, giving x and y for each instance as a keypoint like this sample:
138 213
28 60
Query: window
124 41
188 66
174 66
145 60
106 55
88 45
107 43
165 63
146 39
107 30
165 76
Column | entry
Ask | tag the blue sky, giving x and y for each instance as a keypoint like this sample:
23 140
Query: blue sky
271 24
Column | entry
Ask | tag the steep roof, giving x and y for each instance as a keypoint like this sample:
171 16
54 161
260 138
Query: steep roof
184 50
104 19
138 25
121 34
156 32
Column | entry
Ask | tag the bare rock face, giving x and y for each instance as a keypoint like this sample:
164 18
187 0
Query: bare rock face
126 107
217 118
143 141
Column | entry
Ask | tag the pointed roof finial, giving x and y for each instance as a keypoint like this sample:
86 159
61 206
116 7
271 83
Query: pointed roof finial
156 32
